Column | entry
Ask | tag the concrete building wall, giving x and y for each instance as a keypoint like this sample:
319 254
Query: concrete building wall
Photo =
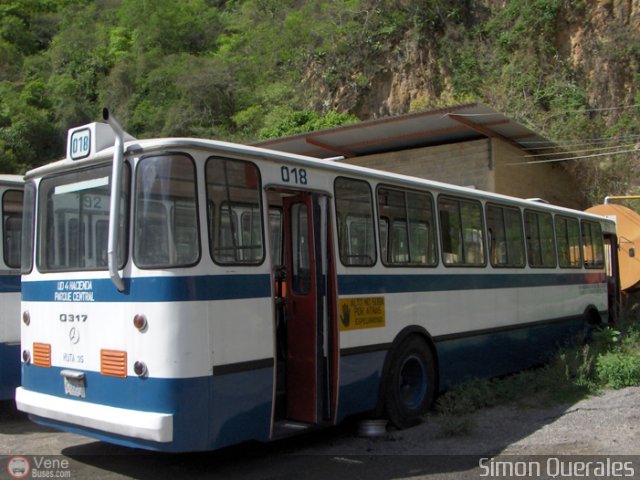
486 164
465 163
549 181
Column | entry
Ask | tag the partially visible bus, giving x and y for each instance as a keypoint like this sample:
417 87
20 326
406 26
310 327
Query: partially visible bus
183 294
11 198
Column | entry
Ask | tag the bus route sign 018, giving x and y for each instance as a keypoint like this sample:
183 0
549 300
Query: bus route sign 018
80 144
361 312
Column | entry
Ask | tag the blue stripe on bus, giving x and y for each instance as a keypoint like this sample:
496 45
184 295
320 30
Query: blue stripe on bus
9 283
234 286
152 289
372 284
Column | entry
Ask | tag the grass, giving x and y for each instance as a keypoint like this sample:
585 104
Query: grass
611 359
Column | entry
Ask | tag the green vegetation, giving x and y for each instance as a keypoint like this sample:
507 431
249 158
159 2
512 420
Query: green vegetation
620 367
610 360
249 69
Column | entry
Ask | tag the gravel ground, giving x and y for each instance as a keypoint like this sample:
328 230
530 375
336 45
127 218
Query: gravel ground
608 424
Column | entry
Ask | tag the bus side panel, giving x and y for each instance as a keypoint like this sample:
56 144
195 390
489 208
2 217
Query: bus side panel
359 382
241 407
488 355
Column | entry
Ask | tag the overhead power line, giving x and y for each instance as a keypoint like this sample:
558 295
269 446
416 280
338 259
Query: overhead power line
577 143
553 160
591 150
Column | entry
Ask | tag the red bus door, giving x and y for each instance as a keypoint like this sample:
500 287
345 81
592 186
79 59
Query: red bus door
302 309
311 340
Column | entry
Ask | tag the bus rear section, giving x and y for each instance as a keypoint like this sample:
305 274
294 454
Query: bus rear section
160 362
11 199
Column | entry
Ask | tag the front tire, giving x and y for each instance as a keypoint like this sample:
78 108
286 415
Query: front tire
410 383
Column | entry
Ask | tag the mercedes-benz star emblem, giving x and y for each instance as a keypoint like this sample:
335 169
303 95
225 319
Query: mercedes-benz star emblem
74 335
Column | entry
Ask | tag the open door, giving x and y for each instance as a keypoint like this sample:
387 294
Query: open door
302 310
311 330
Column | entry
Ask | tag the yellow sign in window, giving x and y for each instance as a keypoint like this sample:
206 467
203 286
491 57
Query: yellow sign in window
361 312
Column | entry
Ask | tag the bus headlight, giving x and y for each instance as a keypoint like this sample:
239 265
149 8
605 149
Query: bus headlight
26 317
140 369
26 356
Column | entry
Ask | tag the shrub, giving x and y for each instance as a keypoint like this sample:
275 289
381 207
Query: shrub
618 369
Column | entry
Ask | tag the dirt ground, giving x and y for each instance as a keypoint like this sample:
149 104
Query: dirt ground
608 424
604 428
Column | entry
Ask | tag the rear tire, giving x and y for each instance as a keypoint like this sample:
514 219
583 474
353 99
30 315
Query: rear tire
410 383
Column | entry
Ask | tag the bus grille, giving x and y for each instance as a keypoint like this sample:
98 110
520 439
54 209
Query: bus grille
113 363
42 354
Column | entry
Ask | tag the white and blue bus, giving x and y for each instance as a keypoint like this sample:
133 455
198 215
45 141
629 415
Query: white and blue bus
11 199
183 294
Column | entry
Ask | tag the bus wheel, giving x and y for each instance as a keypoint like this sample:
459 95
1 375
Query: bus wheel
410 383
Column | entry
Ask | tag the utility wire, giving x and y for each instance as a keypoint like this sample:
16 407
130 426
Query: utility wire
575 143
598 149
532 162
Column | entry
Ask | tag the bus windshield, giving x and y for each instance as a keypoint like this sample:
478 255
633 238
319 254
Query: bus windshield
74 225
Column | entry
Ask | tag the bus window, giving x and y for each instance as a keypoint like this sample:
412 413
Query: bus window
185 228
411 215
102 237
301 270
383 226
227 228
73 204
462 232
399 243
240 233
506 240
166 213
235 233
541 245
568 242
275 229
355 222
251 228
152 235
12 221
592 244
394 239
75 243
422 245
359 239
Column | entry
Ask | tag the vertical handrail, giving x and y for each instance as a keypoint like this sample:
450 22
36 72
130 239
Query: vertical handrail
114 201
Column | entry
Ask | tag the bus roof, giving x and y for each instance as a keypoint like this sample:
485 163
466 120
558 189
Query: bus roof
138 146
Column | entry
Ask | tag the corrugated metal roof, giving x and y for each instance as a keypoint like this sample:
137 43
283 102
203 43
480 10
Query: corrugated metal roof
453 124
